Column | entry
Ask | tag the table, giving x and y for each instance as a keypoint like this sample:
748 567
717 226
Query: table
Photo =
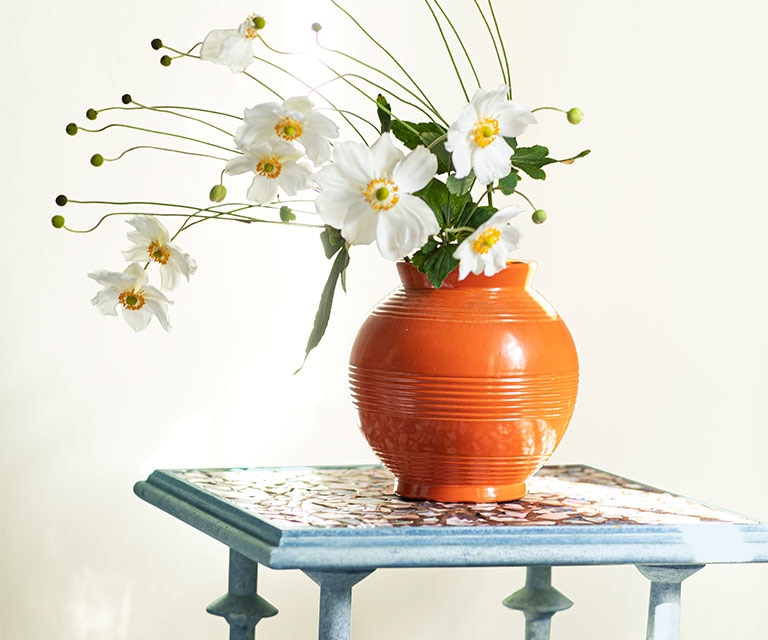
339 524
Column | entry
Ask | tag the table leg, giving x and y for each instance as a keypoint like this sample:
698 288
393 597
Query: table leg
241 607
664 607
539 601
336 601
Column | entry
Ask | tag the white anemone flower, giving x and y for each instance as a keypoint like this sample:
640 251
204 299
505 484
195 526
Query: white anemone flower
295 120
138 301
486 250
151 241
366 193
274 166
476 139
232 47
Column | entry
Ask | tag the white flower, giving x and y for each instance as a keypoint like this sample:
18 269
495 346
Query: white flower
476 139
293 121
487 249
274 165
366 193
152 241
138 301
232 47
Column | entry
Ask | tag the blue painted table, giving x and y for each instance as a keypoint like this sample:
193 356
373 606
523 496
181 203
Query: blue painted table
339 524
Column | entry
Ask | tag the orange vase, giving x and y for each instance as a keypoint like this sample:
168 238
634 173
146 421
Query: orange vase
464 392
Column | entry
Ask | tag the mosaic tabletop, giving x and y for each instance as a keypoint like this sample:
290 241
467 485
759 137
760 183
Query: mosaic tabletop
320 507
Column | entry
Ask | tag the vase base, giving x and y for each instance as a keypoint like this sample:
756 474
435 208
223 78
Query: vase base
459 493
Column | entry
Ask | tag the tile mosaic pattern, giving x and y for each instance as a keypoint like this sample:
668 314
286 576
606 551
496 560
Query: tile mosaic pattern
361 497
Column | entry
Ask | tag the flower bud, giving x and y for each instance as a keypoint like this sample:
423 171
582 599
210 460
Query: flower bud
156 44
61 200
91 114
218 193
316 26
97 159
539 216
575 115
126 98
57 221
71 129
165 60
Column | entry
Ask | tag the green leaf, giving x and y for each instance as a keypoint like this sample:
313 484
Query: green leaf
332 241
412 134
437 264
437 196
531 160
338 271
481 215
460 186
508 183
286 215
384 111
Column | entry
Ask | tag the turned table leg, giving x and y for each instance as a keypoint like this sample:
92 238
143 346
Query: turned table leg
336 601
664 606
539 601
241 607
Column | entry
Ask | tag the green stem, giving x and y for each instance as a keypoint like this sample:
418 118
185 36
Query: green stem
160 133
426 100
169 111
169 150
504 75
461 44
447 46
503 50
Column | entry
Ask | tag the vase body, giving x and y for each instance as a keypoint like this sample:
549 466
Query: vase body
464 392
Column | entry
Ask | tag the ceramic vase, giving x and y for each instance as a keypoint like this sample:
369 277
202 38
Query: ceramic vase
465 391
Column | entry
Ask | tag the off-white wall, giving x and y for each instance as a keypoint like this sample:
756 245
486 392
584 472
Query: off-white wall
654 253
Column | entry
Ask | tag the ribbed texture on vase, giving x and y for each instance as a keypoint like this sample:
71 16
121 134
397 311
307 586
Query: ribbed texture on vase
475 305
396 393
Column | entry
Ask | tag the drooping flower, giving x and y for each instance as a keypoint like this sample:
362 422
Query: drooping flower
138 301
232 47
366 193
476 139
274 165
152 242
295 120
486 250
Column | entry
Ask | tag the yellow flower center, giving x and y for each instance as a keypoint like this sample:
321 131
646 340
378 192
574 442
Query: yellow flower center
132 300
159 252
288 129
486 240
485 131
381 194
269 167
255 24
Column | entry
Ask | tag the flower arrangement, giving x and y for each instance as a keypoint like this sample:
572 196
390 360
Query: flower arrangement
421 187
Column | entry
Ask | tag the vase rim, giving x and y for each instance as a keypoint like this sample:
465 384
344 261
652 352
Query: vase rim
517 273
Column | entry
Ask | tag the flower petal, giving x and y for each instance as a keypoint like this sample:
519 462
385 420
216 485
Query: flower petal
415 170
385 155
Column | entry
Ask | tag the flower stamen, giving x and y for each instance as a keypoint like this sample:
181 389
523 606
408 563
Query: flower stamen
159 252
269 167
288 129
485 241
381 194
132 300
485 131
